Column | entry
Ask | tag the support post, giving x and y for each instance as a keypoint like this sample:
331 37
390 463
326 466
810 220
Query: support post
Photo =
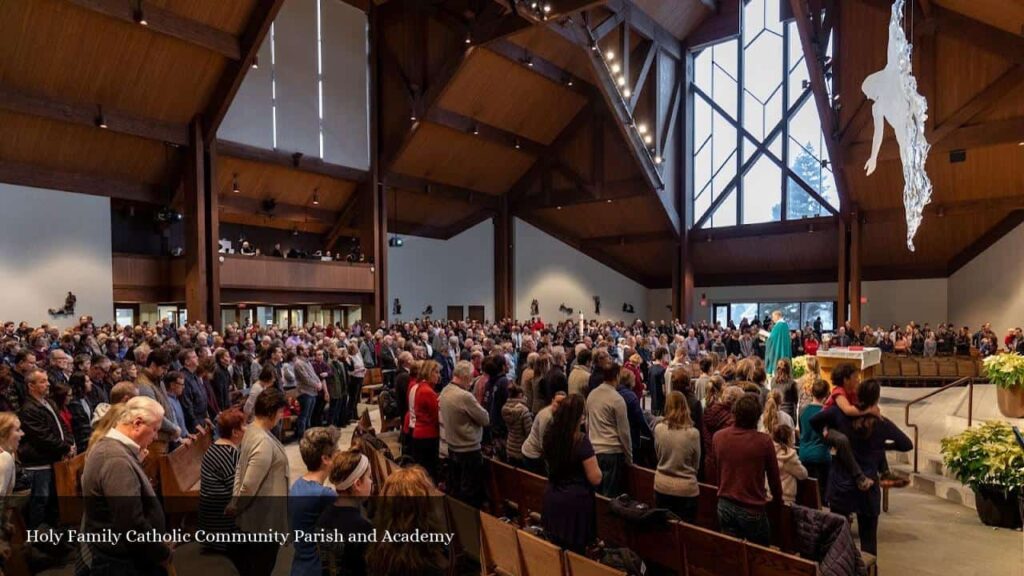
375 220
855 269
197 265
841 282
212 217
504 261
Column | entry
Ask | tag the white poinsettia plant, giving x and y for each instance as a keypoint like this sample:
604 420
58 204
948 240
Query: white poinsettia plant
1005 370
799 367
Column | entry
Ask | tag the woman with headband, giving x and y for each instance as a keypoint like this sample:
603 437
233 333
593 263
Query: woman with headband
352 480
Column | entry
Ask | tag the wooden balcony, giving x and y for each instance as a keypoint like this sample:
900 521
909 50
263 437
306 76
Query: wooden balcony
284 274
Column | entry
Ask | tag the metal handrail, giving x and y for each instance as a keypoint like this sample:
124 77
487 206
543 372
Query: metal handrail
970 407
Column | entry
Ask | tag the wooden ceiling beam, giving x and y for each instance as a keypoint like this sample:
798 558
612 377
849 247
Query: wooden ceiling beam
805 225
826 113
92 184
518 193
238 204
418 229
88 115
943 209
722 24
641 77
427 187
994 133
294 161
569 197
995 41
465 124
231 79
168 23
1010 81
625 239
648 27
520 55
591 251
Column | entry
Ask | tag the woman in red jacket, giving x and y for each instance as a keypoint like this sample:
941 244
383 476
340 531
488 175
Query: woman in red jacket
811 345
421 422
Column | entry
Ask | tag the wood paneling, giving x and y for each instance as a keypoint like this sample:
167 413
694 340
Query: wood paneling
432 210
280 274
86 149
680 17
623 216
138 278
444 155
285 185
1005 14
766 254
510 96
80 56
555 49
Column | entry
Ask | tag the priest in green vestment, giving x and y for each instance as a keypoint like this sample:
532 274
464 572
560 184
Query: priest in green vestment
778 345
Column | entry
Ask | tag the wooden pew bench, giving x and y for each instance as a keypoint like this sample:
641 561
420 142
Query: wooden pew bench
68 479
180 472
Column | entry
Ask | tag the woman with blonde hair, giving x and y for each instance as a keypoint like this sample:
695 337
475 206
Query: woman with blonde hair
352 479
10 437
806 382
783 384
423 418
406 506
677 445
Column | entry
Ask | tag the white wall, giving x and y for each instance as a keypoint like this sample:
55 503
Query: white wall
900 301
54 242
442 273
554 273
292 68
989 288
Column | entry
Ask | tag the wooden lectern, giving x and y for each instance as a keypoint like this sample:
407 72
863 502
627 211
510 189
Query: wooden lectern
866 360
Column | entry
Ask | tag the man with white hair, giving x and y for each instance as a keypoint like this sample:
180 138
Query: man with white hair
462 422
118 494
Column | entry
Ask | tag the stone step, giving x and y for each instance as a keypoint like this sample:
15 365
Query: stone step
936 484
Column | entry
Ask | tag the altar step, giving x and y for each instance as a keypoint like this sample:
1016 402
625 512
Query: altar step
932 477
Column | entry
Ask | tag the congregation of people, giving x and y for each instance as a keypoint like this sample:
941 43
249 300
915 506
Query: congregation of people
577 403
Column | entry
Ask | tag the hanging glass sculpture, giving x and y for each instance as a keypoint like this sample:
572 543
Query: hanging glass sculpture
896 100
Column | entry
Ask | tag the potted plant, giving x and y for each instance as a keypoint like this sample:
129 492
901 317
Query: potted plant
988 459
1006 371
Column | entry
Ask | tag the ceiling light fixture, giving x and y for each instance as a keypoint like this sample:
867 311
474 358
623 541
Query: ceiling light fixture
255 62
139 16
626 92
657 160
234 183
609 55
648 139
100 120
316 197
641 128
469 38
476 130
518 145
547 8
616 68
621 80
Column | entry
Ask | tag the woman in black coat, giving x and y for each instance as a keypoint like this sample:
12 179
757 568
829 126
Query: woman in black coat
81 409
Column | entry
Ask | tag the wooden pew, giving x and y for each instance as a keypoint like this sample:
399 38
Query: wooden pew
583 566
540 557
372 385
500 551
180 472
68 479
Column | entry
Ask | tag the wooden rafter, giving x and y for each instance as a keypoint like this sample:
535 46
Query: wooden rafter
592 251
427 187
625 239
809 225
518 192
991 133
569 197
88 115
826 113
231 79
516 53
92 184
651 50
294 161
345 216
237 204
944 209
985 241
465 124
168 23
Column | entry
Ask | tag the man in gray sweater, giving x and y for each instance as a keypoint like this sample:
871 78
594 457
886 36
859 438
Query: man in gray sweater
119 497
462 422
608 429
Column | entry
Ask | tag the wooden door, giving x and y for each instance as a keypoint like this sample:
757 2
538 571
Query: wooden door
456 313
476 313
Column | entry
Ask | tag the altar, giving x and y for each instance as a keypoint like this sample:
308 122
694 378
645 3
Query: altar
867 361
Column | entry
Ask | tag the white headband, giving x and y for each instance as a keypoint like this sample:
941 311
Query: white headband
361 468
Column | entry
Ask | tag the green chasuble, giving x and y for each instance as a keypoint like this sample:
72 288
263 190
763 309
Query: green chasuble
777 347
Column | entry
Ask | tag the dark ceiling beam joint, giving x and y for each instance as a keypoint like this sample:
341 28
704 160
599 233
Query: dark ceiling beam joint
92 184
465 124
295 161
167 23
428 187
89 115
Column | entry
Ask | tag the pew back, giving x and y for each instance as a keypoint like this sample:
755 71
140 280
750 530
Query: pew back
500 546
68 480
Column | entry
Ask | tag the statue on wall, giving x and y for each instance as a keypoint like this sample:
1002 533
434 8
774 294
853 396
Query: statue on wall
428 311
69 306
565 309
628 308
396 307
896 100
597 305
534 308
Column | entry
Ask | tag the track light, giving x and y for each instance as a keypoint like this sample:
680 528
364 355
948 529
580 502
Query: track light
547 8
518 145
528 60
469 38
626 92
100 120
621 80
316 197
255 62
648 139
234 184
476 130
139 16
609 55
616 68
657 159
558 207
641 128
593 46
